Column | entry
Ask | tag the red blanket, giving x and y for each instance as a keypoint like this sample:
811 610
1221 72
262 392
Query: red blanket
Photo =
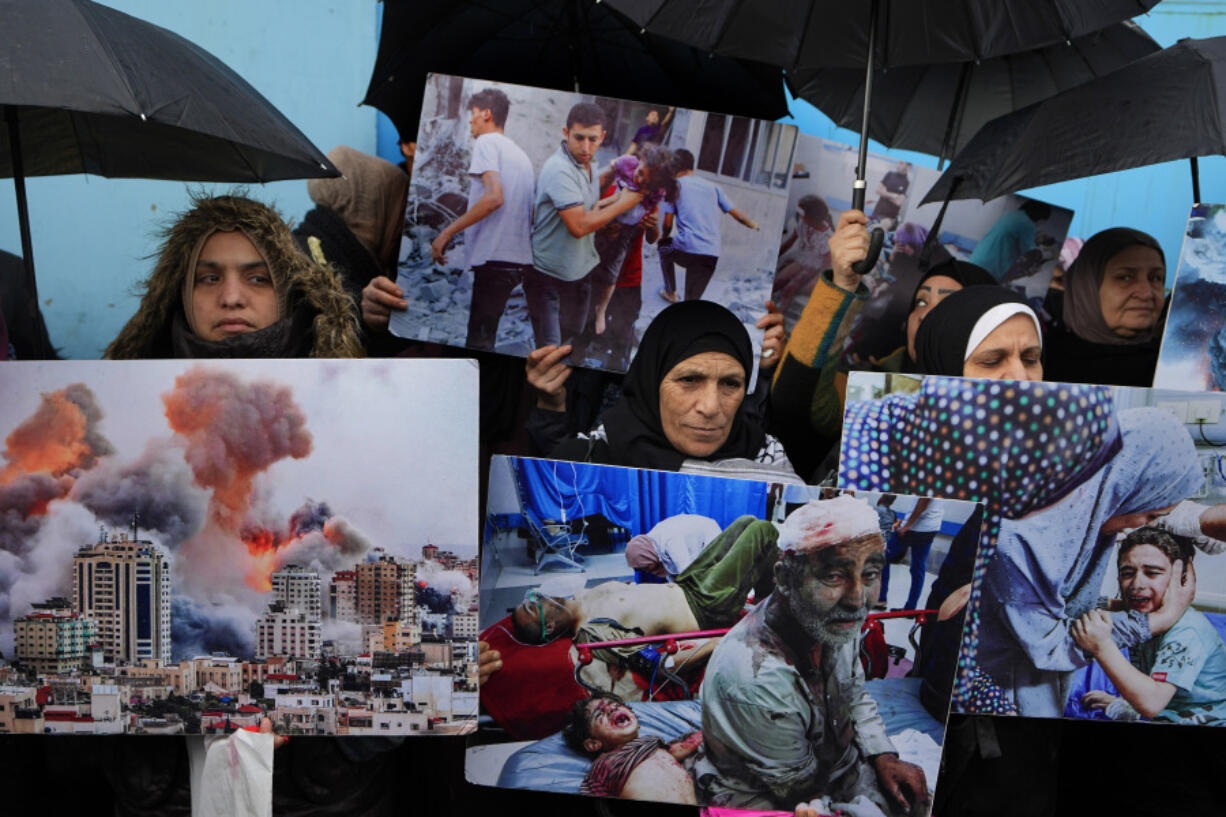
530 695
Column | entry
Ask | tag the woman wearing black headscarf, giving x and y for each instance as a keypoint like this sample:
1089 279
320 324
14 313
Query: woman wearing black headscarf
1111 326
988 332
682 404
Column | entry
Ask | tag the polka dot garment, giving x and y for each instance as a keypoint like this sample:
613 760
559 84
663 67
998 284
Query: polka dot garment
1014 446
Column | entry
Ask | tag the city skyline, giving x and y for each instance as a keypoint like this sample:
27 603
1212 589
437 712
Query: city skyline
206 480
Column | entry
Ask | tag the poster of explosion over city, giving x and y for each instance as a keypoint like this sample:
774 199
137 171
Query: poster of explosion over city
193 547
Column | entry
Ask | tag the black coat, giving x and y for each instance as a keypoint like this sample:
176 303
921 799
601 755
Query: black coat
1069 358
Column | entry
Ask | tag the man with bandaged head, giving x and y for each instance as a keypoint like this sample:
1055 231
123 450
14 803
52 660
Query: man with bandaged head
787 720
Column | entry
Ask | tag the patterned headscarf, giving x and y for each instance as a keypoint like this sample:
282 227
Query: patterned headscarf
1014 446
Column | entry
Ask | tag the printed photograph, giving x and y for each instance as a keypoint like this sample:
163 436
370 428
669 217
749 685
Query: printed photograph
541 218
1099 590
1193 354
192 547
1015 239
694 639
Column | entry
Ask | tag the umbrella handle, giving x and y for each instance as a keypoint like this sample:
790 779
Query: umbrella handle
875 241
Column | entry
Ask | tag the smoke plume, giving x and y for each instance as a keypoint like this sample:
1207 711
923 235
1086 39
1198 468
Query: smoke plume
158 487
60 437
234 431
455 586
200 628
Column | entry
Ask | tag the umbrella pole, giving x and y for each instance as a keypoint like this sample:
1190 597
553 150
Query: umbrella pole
23 219
934 232
1195 180
950 138
19 186
858 189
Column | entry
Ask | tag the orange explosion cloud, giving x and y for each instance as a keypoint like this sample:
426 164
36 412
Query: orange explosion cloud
51 441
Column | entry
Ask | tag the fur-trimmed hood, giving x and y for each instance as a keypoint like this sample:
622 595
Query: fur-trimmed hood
301 282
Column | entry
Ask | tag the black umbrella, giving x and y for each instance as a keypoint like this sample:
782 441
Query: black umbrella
936 108
799 34
573 45
807 33
87 89
1170 105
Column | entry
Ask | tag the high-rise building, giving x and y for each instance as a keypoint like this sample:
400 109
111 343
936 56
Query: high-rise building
286 632
429 552
343 596
297 588
52 638
464 625
385 590
122 585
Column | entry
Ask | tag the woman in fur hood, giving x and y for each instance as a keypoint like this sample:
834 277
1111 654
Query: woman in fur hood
229 282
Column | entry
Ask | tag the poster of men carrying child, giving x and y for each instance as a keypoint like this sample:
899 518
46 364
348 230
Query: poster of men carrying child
543 218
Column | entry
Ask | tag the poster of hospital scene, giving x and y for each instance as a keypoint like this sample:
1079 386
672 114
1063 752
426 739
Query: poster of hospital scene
539 217
201 547
1016 239
698 639
1101 587
1193 354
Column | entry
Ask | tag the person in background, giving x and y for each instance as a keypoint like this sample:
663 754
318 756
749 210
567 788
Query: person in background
696 244
1053 303
1013 234
652 131
914 536
982 331
409 151
804 253
807 393
1111 320
671 545
891 196
497 225
356 228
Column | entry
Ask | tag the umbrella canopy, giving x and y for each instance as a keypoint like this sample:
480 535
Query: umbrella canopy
94 90
564 44
1169 105
936 108
799 34
808 33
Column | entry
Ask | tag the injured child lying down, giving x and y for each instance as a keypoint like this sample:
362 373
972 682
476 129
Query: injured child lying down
627 765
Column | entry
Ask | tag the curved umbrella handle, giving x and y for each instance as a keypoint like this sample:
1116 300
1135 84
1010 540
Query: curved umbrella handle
875 241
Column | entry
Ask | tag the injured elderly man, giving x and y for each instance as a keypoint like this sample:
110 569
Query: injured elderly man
787 721
708 594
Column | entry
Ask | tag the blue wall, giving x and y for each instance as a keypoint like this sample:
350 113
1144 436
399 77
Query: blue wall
311 58
1155 199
